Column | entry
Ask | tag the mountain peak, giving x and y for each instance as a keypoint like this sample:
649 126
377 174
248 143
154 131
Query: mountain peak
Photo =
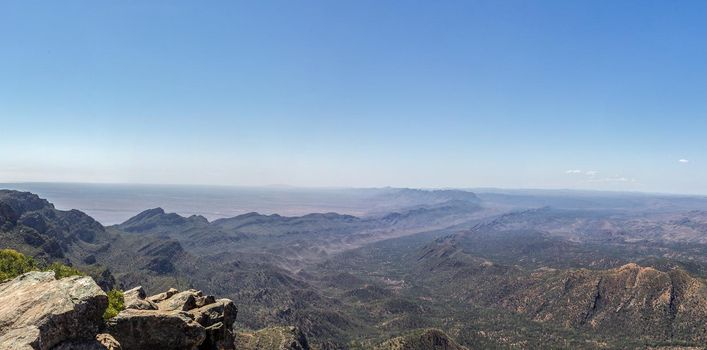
154 218
21 202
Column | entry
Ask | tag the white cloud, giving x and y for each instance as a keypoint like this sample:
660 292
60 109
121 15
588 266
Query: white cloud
573 171
684 161
591 172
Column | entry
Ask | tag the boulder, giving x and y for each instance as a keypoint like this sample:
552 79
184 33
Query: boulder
182 301
174 320
218 319
135 299
222 310
162 296
40 312
204 300
156 329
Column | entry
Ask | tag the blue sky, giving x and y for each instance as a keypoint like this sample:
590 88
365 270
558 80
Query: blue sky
543 94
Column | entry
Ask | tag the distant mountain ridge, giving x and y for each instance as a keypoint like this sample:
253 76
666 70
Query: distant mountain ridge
308 238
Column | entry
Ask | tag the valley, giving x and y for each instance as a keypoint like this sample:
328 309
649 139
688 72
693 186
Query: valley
470 270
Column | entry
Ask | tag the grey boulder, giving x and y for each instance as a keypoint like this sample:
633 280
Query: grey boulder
40 312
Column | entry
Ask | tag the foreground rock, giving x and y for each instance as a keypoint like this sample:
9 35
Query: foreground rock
154 329
38 311
174 320
218 318
102 342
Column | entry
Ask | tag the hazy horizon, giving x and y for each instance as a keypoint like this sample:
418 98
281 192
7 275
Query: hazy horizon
314 187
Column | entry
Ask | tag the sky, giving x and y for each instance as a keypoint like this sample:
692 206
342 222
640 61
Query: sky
606 95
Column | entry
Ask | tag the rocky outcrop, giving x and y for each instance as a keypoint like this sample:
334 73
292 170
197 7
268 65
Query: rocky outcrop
631 300
174 320
218 318
154 329
40 312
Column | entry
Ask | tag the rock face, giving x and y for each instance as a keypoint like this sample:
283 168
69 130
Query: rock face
629 300
154 329
218 318
173 320
39 312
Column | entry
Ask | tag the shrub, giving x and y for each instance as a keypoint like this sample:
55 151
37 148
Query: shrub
14 263
61 270
115 304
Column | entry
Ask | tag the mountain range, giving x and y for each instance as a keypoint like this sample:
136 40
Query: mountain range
447 269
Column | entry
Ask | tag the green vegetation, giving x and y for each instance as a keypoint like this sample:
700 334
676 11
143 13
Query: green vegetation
61 270
421 339
271 338
115 303
14 263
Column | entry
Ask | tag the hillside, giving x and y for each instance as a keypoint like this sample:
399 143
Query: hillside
428 339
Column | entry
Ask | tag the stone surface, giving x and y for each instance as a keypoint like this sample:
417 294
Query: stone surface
222 310
179 320
218 318
108 341
204 300
39 311
156 329
135 299
80 345
102 342
162 296
182 301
